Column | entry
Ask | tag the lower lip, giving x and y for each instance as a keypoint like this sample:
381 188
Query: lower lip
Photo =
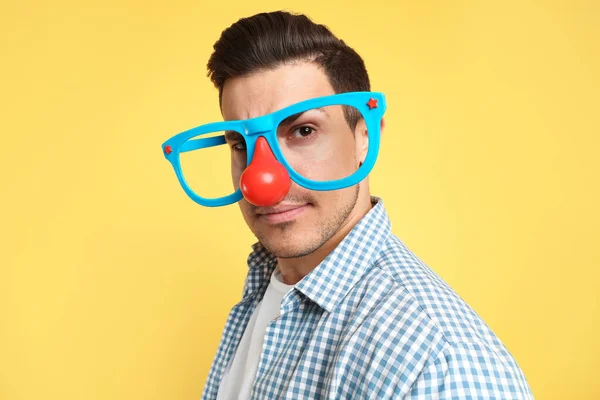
285 216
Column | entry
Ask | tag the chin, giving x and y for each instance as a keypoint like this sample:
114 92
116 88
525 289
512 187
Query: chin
288 243
289 251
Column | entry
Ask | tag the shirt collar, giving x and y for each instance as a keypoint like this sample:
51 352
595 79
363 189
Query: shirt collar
261 264
335 276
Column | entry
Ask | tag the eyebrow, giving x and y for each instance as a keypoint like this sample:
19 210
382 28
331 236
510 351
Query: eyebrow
232 136
294 117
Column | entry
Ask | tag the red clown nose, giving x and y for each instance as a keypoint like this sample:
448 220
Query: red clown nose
265 182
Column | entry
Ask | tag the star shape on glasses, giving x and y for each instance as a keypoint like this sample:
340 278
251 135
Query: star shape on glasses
372 103
168 150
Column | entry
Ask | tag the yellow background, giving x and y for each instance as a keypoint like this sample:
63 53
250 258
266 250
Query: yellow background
114 285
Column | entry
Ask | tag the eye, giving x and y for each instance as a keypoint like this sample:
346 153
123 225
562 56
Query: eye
239 146
302 131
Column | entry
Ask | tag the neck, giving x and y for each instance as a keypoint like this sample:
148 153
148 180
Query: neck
294 269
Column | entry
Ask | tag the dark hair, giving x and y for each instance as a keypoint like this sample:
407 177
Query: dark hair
267 40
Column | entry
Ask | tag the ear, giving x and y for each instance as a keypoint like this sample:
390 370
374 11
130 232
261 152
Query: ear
362 141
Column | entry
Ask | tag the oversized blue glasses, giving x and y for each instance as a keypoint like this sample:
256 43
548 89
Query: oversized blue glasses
309 142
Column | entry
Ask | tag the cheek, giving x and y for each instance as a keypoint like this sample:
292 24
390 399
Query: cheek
335 165
247 211
236 172
330 202
235 178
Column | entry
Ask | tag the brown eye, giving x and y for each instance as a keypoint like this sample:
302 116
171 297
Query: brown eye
302 131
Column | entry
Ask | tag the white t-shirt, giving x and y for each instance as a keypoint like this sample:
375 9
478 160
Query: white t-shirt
239 376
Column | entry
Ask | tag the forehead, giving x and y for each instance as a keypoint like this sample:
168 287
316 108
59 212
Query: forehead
265 91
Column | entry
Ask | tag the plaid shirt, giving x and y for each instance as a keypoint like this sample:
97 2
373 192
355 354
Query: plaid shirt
372 321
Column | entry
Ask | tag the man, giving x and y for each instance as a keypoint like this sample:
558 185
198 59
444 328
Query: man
334 305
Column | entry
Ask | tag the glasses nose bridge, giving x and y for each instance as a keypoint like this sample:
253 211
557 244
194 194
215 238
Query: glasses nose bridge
258 125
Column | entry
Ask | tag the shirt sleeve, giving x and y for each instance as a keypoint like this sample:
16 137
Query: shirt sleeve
470 371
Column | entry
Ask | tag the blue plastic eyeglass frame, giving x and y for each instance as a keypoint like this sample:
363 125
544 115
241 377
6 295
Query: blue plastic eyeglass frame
266 126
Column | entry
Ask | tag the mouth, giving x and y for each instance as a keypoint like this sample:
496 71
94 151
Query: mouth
276 215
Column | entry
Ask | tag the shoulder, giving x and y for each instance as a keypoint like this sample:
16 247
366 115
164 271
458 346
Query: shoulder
469 370
411 329
419 285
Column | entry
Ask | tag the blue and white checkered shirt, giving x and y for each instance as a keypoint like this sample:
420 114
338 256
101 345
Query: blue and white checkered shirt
372 321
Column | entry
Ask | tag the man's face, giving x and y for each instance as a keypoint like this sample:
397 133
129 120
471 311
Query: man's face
304 220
